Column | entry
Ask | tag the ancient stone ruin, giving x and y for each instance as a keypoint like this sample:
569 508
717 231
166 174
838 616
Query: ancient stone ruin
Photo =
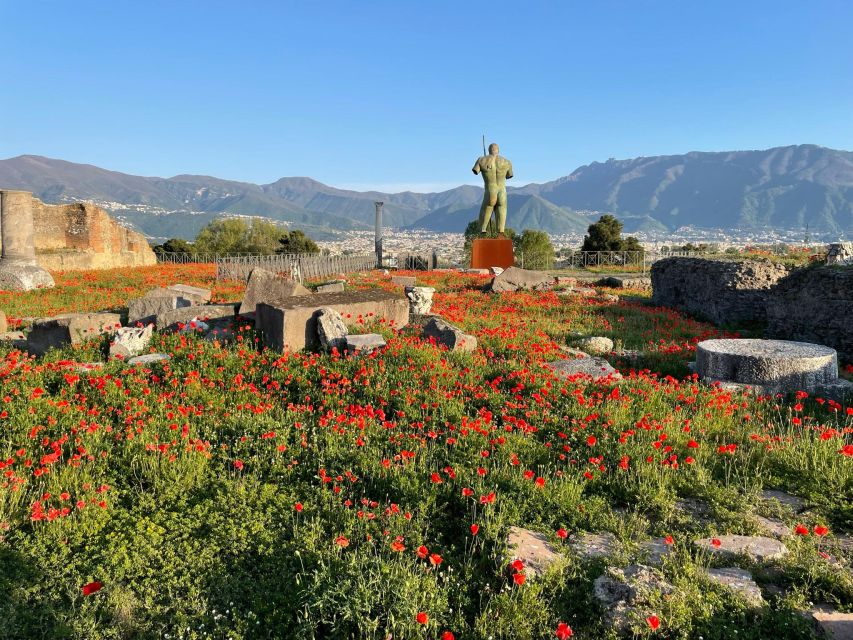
19 270
772 366
78 236
722 291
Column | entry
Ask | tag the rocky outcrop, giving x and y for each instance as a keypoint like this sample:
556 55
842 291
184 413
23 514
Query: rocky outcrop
82 236
814 305
722 291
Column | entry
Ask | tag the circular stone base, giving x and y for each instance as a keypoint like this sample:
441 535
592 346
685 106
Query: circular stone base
23 277
779 366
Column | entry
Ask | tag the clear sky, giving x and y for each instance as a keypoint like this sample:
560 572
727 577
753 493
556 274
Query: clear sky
397 94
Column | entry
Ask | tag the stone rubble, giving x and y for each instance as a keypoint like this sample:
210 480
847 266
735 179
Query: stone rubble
364 343
131 341
331 329
448 335
70 329
593 367
626 595
516 279
739 581
759 548
268 287
595 545
533 549
149 358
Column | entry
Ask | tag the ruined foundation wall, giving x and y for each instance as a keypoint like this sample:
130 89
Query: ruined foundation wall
83 236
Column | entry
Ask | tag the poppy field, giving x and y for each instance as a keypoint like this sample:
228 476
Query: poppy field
234 492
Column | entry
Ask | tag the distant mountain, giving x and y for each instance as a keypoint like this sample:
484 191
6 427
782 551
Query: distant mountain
523 212
781 188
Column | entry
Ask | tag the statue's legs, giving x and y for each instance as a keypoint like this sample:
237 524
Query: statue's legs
490 199
500 210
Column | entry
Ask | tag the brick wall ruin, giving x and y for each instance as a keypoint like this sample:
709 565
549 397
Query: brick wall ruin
83 236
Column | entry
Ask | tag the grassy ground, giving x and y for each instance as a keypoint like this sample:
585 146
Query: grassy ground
238 493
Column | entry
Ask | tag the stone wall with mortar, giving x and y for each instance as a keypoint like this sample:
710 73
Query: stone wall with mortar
83 236
814 305
722 291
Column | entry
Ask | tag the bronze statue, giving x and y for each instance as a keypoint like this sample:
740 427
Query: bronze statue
495 170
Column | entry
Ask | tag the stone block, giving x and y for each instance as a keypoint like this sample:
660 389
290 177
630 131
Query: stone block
197 294
593 367
270 288
209 314
4 323
131 341
595 345
292 324
364 342
628 594
23 277
146 309
833 624
533 549
595 545
70 329
332 287
516 279
404 281
331 329
739 581
448 335
149 358
757 547
779 366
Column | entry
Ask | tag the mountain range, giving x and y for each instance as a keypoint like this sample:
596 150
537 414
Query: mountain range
781 188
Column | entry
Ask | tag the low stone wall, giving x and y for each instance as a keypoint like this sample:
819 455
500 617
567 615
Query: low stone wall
814 305
83 236
722 291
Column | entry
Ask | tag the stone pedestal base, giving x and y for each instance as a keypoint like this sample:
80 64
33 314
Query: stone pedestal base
15 276
778 366
492 252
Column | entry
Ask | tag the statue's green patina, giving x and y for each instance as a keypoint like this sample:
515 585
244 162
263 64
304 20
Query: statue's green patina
495 170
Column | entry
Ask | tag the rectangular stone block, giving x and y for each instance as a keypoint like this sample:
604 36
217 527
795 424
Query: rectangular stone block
405 281
70 329
268 287
332 287
171 319
197 294
145 310
291 325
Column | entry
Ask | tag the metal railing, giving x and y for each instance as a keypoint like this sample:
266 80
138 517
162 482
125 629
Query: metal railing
300 267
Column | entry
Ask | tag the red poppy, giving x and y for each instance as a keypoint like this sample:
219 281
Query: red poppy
398 546
715 542
518 578
422 552
435 559
474 529
422 617
238 464
820 530
447 635
668 540
298 507
563 631
92 587
801 530
342 541
654 622
562 533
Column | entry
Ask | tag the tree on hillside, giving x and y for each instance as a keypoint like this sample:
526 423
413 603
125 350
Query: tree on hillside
534 250
262 237
606 235
297 242
173 245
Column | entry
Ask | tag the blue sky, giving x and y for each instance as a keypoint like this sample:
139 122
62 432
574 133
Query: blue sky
397 94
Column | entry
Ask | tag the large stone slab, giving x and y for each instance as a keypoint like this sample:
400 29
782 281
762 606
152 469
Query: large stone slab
70 329
197 294
332 287
292 324
627 595
146 309
404 281
270 288
758 547
23 277
834 624
779 366
177 319
533 549
517 279
448 335
593 367
739 581
595 545
364 342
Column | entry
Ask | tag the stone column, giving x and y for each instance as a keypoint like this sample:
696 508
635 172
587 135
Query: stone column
18 268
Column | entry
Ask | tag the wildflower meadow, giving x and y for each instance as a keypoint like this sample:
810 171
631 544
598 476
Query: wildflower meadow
234 492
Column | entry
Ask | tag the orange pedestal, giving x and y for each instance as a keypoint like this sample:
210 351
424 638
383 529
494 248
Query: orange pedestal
492 252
